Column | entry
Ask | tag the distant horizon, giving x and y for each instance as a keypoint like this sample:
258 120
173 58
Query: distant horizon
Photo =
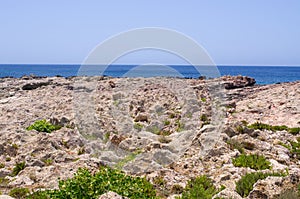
132 64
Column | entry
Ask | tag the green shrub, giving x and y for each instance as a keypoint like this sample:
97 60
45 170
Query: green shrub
294 131
89 186
18 167
203 99
43 126
200 187
245 185
19 192
253 161
262 126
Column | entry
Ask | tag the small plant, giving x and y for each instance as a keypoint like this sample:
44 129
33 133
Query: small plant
200 187
294 131
7 159
81 151
138 126
43 126
204 118
2 165
106 137
167 122
180 126
48 162
245 185
19 192
233 144
253 161
295 149
203 99
18 167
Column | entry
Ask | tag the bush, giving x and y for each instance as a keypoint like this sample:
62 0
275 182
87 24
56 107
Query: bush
201 187
262 126
18 167
294 131
253 161
43 126
245 185
90 186
19 192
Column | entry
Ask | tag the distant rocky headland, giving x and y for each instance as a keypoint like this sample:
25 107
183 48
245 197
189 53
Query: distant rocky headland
240 139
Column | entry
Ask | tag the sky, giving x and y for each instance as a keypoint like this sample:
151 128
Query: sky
233 32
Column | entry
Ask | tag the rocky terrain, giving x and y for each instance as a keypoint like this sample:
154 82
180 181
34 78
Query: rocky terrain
169 129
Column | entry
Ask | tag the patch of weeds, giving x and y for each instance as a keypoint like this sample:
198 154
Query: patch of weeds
106 137
200 187
48 161
177 189
164 133
203 118
2 165
167 122
254 161
294 131
245 185
240 129
3 181
159 181
19 192
234 144
43 126
295 149
15 146
180 126
203 99
81 151
154 130
262 126
18 167
7 159
164 139
127 159
138 126
87 185
244 122
172 115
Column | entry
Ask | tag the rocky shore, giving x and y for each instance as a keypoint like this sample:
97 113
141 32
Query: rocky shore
168 130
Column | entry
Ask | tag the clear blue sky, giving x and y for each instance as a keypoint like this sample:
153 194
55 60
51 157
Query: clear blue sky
234 32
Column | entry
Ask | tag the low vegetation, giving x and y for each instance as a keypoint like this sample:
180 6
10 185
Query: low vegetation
18 167
87 185
262 126
43 126
254 161
200 187
19 192
245 185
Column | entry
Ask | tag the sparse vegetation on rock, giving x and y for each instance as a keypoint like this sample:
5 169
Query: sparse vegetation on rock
43 126
254 161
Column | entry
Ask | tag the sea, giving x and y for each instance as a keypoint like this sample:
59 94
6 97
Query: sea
262 74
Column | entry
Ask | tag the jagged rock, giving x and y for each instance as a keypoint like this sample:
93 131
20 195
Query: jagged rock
232 82
141 118
111 195
5 197
227 193
35 85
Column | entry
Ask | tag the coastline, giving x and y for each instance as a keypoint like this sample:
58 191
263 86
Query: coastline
157 123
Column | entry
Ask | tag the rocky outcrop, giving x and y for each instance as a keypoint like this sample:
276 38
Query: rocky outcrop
168 130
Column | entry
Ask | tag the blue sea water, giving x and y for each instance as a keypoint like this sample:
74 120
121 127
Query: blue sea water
262 74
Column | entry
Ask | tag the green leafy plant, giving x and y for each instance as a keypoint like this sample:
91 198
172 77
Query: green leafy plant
200 187
262 126
203 99
19 192
253 161
18 167
43 126
89 186
180 126
245 185
167 122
